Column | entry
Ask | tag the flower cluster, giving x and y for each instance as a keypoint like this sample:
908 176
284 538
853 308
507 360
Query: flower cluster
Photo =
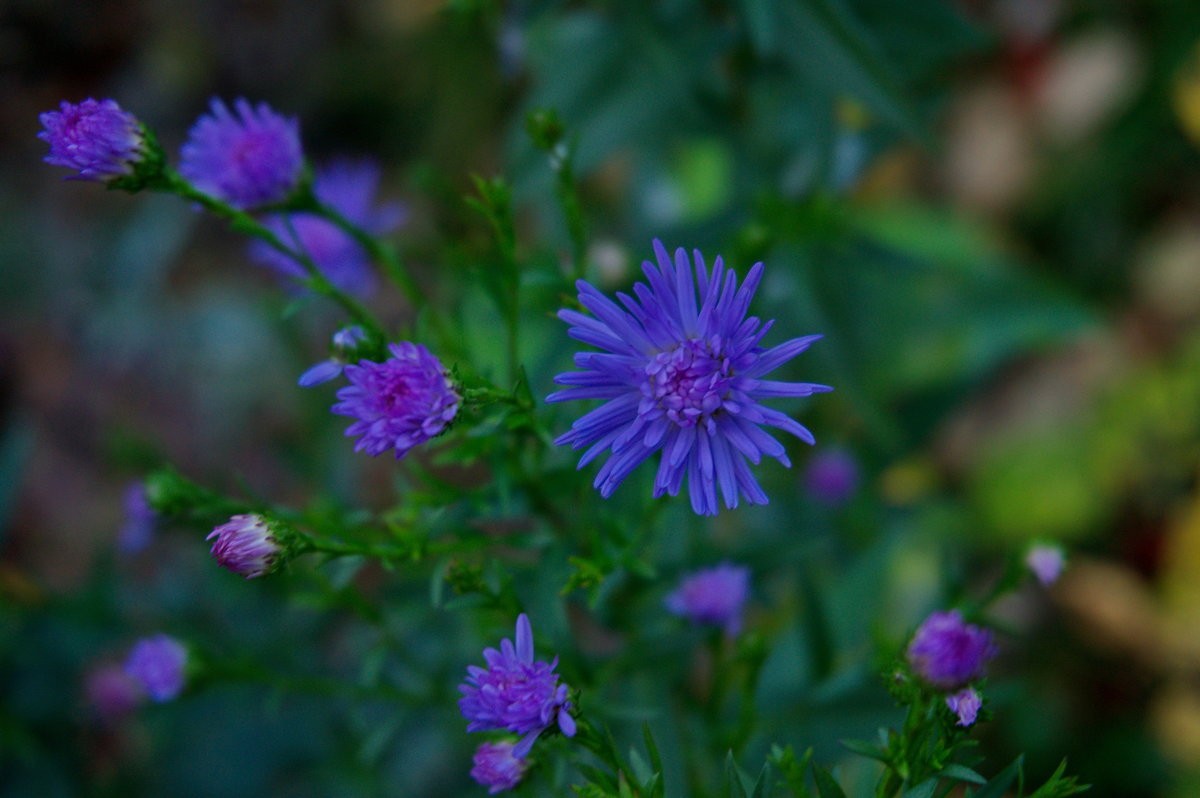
399 403
947 653
515 693
714 596
96 138
248 157
681 375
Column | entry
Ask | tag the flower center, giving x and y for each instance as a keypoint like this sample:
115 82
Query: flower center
689 382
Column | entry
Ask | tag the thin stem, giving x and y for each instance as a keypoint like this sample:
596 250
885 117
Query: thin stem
380 252
245 223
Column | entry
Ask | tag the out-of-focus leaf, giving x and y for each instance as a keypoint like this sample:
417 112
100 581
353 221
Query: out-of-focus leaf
827 787
998 786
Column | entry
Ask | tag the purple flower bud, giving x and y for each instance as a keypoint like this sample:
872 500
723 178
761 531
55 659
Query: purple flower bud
1046 562
96 138
713 596
965 703
947 652
515 693
158 665
348 338
399 403
246 545
140 519
111 693
832 476
250 159
496 768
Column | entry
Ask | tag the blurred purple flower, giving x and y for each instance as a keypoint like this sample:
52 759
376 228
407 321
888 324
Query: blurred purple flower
95 137
399 403
158 665
682 377
1046 562
965 703
345 342
514 693
496 768
246 545
140 520
111 693
248 160
349 187
832 476
713 596
948 652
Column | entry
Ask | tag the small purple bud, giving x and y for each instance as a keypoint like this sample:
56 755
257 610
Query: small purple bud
348 338
947 652
246 545
1046 562
496 768
714 596
965 703
832 476
111 693
140 519
158 665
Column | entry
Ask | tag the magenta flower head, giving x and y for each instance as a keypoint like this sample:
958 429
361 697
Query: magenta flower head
96 138
832 476
514 693
137 529
948 652
158 664
497 768
966 704
683 376
348 187
714 596
248 545
399 403
111 693
1046 561
248 159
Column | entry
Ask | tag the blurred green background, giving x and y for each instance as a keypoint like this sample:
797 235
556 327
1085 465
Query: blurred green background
991 208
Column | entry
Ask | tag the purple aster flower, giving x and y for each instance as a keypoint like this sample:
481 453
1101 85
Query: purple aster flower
1046 562
246 545
349 187
111 693
158 665
496 768
948 652
248 159
95 137
514 693
399 403
345 342
713 596
140 520
832 476
965 703
681 376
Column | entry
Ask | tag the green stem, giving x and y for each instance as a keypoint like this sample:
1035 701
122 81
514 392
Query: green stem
243 222
309 543
383 254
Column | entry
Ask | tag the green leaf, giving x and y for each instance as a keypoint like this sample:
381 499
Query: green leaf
817 634
962 773
735 779
791 769
923 790
831 48
826 786
863 748
1003 780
